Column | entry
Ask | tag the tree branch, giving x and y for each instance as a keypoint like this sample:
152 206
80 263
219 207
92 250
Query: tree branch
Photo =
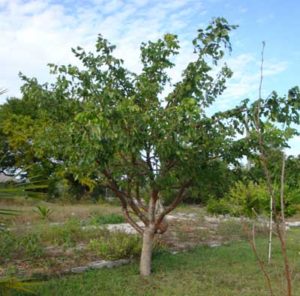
173 205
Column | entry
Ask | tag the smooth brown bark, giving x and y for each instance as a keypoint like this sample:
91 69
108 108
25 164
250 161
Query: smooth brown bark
146 256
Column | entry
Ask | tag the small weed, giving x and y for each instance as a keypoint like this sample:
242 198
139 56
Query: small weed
43 212
31 245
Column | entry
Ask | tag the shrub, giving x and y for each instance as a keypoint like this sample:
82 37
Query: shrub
244 197
220 207
116 245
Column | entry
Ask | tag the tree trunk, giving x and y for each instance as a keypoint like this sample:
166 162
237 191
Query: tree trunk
146 256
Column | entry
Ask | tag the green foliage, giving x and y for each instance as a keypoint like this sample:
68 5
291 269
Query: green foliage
116 245
112 120
13 246
31 245
43 211
248 198
220 207
8 243
244 198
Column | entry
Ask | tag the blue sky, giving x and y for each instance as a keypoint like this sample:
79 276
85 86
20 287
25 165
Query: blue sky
36 32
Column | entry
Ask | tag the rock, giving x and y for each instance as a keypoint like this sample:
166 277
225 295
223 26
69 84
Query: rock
124 227
182 216
79 269
100 264
293 224
214 245
213 220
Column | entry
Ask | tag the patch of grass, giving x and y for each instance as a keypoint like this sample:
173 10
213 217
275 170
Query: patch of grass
228 270
233 229
68 234
27 246
60 212
106 219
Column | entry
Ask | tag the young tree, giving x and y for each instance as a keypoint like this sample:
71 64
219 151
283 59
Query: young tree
269 127
138 141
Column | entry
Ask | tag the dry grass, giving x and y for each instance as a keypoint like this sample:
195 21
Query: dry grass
60 212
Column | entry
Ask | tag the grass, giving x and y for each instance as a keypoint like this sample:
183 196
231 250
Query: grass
117 245
106 219
29 243
228 270
59 212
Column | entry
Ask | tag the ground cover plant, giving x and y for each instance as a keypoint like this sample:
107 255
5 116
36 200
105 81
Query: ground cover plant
227 270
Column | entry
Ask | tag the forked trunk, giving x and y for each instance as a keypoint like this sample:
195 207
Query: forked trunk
146 256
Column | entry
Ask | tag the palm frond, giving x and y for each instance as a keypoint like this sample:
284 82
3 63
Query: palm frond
2 91
8 284
9 212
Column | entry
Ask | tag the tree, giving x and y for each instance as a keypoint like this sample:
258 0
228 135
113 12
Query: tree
137 141
40 113
263 117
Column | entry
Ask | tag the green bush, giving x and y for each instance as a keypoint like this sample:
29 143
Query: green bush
292 200
243 198
220 207
116 245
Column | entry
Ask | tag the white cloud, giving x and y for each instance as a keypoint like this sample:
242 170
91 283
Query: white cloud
295 146
246 78
36 32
